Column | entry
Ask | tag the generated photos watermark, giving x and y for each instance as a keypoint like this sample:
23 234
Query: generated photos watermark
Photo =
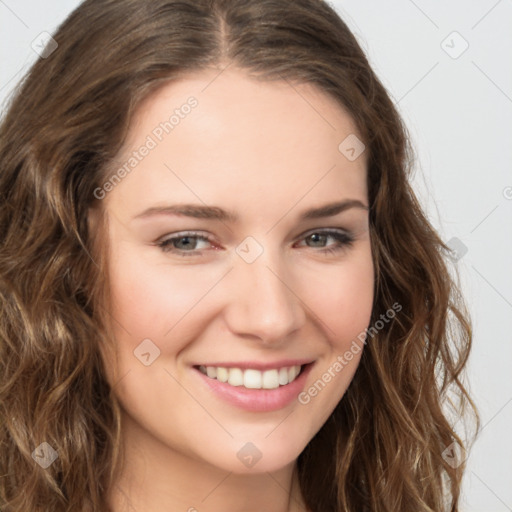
343 360
152 140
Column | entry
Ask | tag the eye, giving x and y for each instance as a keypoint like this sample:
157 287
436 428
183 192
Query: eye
342 240
187 243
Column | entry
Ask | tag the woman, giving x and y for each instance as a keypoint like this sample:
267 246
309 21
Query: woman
218 289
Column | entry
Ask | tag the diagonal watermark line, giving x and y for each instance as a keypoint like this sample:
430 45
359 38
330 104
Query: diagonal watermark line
308 103
216 76
487 281
119 380
227 227
115 320
497 497
217 486
299 200
492 81
484 218
316 316
199 403
496 414
198 301
280 423
89 255
286 491
11 79
418 82
486 14
424 14
3 3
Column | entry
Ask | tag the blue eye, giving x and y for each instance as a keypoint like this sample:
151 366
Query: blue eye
186 243
342 238
186 240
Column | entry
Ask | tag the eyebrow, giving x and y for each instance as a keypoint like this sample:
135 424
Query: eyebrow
216 213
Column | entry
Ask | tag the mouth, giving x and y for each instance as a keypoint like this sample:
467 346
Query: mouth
253 386
252 378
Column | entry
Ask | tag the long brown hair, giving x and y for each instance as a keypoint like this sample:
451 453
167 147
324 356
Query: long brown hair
382 448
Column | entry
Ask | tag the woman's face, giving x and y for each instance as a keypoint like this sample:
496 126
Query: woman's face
242 283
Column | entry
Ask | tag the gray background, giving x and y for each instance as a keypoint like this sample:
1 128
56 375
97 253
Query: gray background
458 107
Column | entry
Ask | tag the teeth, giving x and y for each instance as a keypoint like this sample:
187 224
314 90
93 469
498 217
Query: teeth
271 379
293 371
283 376
222 374
236 377
252 379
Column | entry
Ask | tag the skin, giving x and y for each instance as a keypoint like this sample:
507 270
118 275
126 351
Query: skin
266 151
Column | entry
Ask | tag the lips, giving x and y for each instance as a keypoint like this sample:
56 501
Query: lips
255 399
252 378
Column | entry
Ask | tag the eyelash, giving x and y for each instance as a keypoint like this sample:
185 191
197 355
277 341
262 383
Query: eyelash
344 240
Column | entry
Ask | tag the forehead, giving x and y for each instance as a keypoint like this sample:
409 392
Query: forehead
212 131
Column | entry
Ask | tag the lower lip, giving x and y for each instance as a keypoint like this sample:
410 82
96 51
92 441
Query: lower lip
258 400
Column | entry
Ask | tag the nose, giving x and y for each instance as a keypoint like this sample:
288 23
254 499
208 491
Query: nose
263 304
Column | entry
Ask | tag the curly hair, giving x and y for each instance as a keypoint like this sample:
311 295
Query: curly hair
382 447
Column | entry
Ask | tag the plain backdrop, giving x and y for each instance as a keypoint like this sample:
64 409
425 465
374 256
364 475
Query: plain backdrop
447 66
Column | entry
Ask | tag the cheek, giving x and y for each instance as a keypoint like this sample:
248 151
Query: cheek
352 312
344 301
342 298
149 299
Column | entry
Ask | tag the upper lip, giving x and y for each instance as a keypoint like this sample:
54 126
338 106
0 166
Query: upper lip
246 365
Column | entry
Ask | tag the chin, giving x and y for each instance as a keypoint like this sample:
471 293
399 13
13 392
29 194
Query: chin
256 457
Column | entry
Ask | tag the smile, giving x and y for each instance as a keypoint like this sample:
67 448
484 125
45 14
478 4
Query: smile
251 378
